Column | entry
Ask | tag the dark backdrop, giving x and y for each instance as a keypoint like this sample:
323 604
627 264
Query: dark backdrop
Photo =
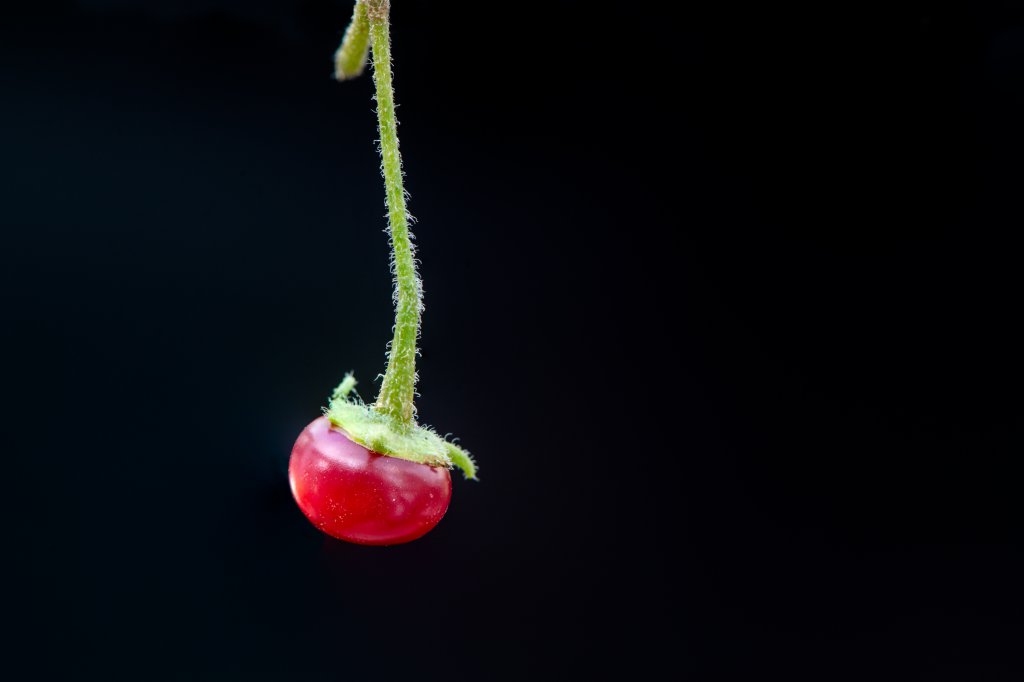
725 303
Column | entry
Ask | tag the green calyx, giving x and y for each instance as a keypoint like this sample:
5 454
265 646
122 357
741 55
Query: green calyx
378 431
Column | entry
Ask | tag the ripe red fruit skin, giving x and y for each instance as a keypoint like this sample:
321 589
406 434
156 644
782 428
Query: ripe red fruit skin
355 494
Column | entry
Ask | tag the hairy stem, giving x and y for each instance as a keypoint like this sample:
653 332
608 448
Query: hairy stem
350 59
396 391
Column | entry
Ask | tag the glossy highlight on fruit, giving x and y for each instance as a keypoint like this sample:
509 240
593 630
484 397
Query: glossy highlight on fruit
355 494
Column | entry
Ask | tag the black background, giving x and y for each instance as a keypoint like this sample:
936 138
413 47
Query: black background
725 303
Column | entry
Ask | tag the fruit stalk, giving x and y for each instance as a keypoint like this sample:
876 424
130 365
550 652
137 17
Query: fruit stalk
398 387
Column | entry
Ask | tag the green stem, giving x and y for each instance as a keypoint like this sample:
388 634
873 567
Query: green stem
350 59
397 390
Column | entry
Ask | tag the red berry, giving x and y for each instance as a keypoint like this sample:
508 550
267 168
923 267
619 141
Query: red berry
355 494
